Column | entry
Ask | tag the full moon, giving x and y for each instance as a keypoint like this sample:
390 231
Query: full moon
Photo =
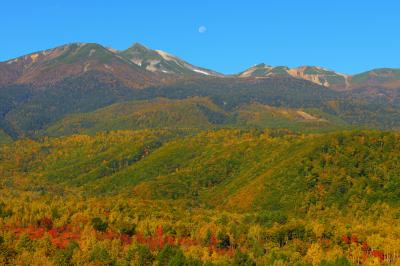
202 29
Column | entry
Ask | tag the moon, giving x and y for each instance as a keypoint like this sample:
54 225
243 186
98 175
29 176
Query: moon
202 29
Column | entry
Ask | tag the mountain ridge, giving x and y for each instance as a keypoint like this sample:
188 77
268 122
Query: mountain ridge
155 67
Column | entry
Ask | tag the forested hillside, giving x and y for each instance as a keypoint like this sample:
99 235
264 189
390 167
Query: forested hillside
224 197
193 113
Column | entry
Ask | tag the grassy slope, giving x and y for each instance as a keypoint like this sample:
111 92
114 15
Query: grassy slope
304 120
230 169
196 113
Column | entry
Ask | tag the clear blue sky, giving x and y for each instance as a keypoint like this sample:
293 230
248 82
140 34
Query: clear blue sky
349 36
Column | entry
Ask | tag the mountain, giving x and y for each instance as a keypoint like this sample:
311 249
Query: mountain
83 93
92 91
380 77
316 75
388 78
50 66
39 89
158 61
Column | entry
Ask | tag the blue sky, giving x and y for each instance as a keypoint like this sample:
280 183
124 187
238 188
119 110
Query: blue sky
228 36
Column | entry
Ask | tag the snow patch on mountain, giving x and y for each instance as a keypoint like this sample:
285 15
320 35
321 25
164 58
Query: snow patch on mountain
201 72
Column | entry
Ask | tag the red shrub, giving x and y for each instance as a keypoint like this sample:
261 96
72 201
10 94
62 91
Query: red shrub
378 254
346 239
125 239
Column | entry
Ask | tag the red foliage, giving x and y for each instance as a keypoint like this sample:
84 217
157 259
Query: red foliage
378 254
59 243
36 234
346 239
213 241
365 246
140 238
170 240
125 239
367 251
53 232
159 231
46 222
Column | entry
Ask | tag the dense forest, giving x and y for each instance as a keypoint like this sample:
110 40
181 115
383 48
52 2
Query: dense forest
189 197
27 111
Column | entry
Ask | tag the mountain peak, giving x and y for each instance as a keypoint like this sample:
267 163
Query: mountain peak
162 62
262 65
74 59
138 47
315 74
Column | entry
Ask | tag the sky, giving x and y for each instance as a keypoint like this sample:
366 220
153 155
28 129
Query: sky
349 36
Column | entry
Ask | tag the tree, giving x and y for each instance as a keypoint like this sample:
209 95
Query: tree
63 256
100 255
242 259
99 225
142 256
223 240
166 254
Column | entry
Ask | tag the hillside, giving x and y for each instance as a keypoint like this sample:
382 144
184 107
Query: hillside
381 78
308 120
195 113
220 197
227 168
29 114
50 66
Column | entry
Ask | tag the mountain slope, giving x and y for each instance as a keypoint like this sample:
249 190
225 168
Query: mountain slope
193 113
161 62
230 169
388 78
49 66
304 120
316 75
380 78
38 89
83 93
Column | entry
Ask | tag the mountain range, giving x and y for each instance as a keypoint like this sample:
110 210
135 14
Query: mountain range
139 66
42 88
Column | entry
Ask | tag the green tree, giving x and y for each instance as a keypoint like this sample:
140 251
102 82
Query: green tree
99 225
